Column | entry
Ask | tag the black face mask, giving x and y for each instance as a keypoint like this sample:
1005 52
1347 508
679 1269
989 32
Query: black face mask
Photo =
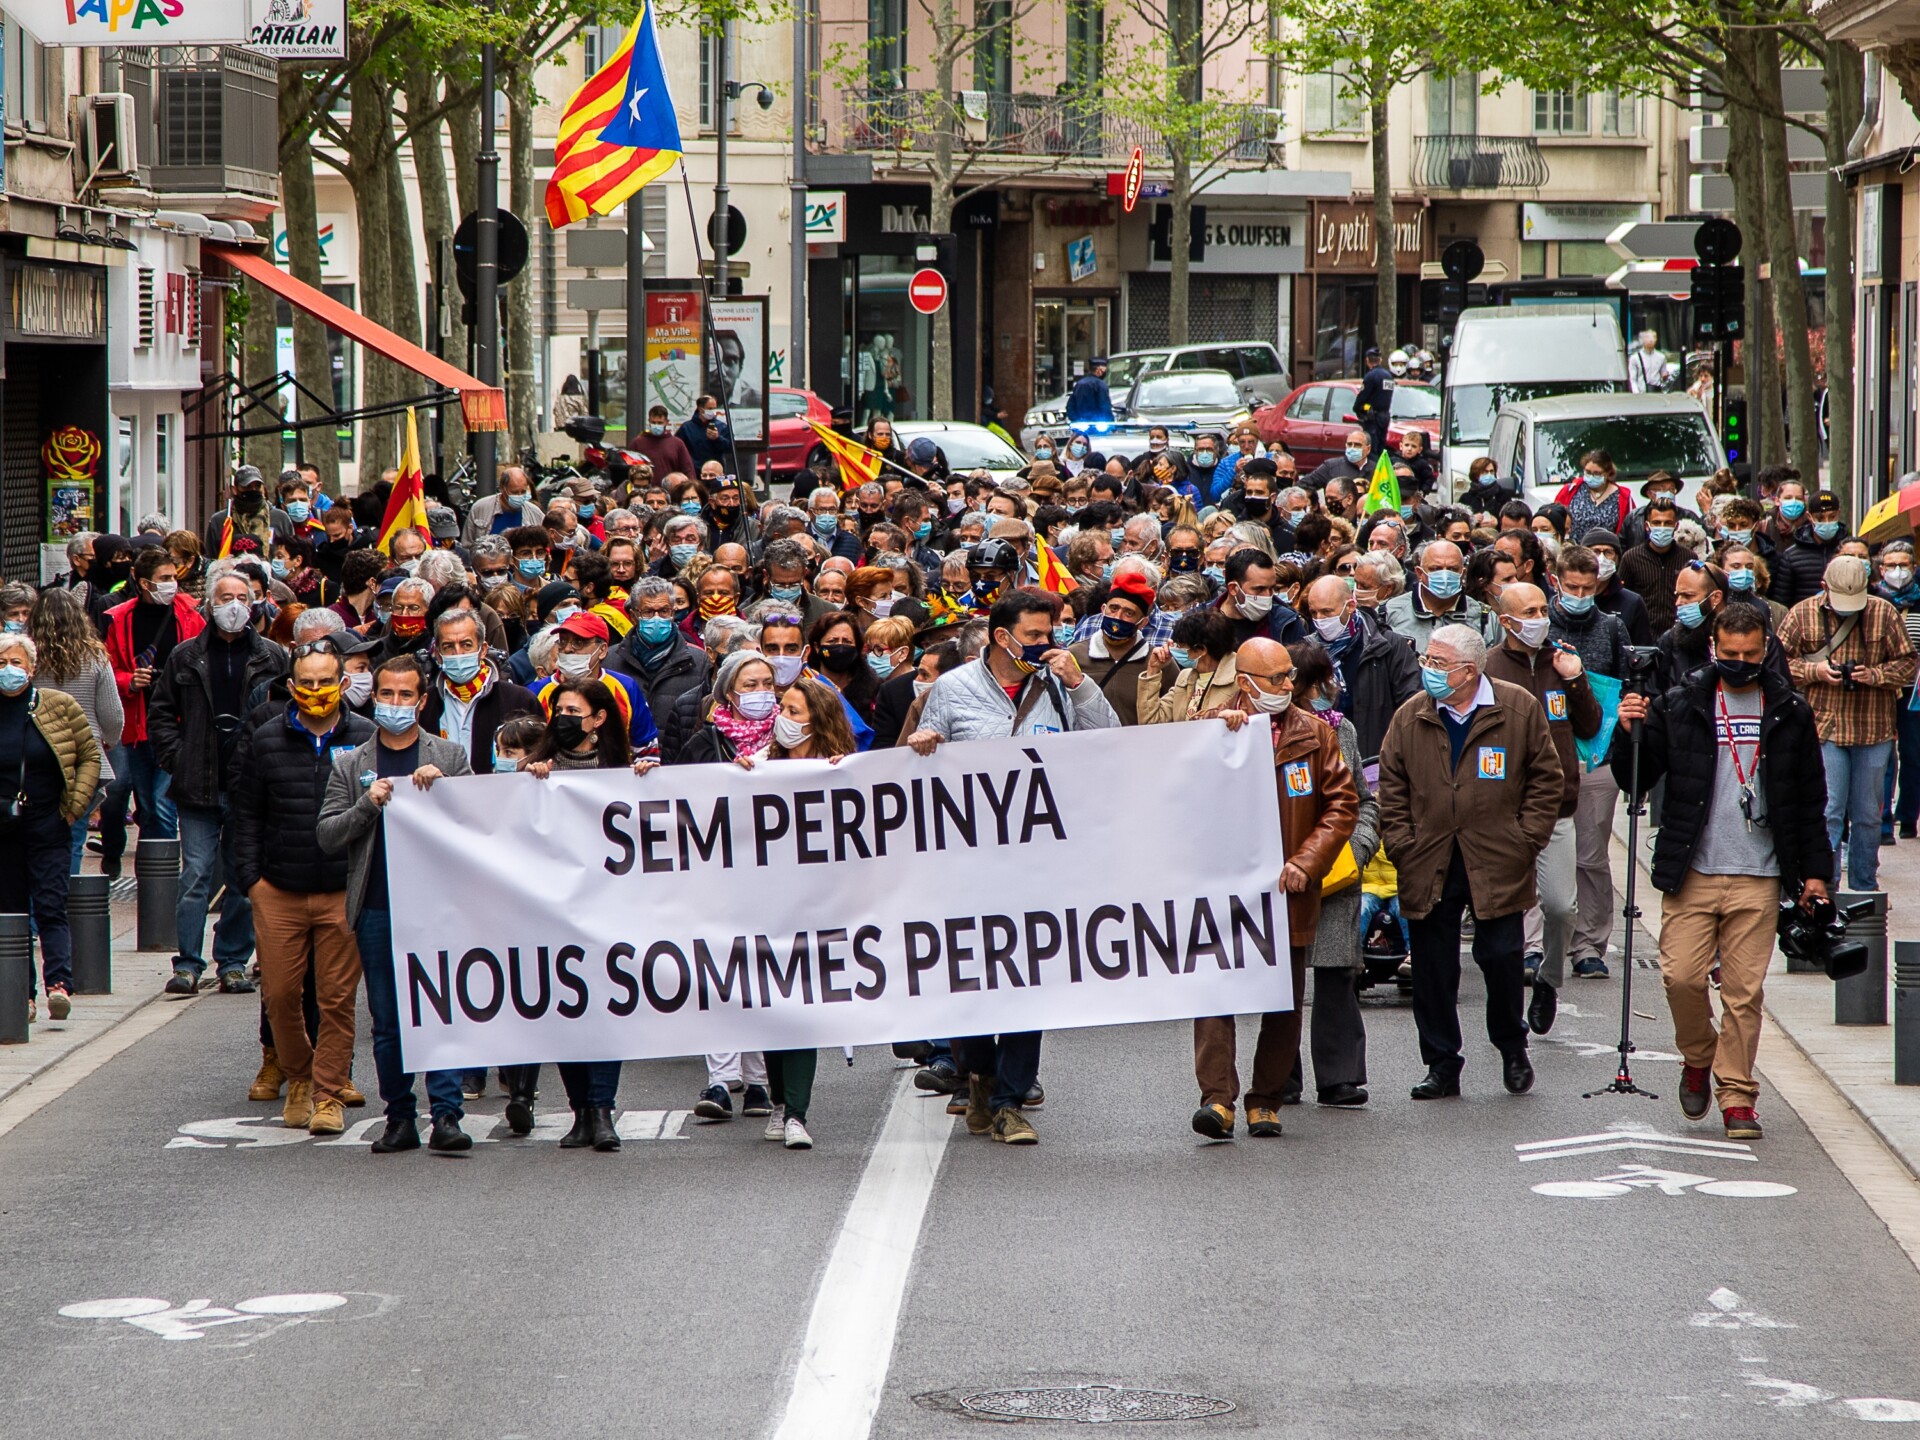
568 730
840 658
249 500
1738 673
726 514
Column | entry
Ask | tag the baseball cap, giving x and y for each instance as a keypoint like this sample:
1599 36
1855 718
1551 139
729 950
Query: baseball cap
1847 584
1824 500
442 523
587 625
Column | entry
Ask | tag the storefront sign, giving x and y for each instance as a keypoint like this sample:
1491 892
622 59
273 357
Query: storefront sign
826 217
1081 259
56 302
135 22
673 355
738 376
1578 220
301 30
1251 242
1343 236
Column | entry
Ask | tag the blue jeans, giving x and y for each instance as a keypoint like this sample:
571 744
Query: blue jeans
1856 789
374 931
1012 1060
1907 811
206 862
1372 905
591 1084
136 773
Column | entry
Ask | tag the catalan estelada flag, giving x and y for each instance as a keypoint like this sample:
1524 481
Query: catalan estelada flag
858 464
1384 491
407 505
1053 575
618 131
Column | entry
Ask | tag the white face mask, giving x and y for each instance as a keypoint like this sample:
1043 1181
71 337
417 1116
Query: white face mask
232 616
1605 569
789 733
786 668
164 591
1531 633
920 687
574 667
357 687
1331 627
1256 607
1268 704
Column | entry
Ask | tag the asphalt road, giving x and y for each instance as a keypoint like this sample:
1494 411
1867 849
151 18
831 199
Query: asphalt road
1391 1271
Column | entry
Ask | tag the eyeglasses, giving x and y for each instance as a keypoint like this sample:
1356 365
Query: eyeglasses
325 645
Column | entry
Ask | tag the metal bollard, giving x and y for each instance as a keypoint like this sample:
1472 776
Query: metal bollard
156 866
90 918
1906 1012
1862 1000
16 977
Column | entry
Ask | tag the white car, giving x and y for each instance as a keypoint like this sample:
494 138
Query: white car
1538 443
967 447
1257 370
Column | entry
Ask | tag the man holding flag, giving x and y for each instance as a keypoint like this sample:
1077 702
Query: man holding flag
1383 491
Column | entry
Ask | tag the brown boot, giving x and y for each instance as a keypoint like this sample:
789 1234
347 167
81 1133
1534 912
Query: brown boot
350 1094
268 1083
299 1110
328 1119
979 1112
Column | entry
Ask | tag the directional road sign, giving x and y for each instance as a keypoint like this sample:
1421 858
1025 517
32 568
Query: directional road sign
1654 240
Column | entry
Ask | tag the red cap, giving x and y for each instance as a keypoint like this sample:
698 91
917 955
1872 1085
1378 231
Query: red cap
587 625
1133 587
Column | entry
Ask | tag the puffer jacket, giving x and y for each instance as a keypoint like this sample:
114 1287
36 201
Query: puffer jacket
1801 569
1499 806
280 782
967 703
1336 943
1598 637
1678 742
685 668
63 725
186 740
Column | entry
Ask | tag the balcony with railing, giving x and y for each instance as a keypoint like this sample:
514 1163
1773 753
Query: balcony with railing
1478 162
1012 126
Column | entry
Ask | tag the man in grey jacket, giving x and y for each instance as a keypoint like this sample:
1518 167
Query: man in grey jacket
509 509
1022 684
351 819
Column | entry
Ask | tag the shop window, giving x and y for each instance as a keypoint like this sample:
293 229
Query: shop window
1533 259
123 475
1559 112
1587 257
1335 104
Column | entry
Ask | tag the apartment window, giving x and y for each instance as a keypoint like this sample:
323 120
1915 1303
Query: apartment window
1276 77
1619 113
993 52
1334 103
25 78
887 44
600 41
1086 44
1559 112
711 101
1453 103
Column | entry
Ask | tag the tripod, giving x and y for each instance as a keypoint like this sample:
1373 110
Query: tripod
1622 1083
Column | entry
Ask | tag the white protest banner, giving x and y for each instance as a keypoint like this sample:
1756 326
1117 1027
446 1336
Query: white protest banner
1101 878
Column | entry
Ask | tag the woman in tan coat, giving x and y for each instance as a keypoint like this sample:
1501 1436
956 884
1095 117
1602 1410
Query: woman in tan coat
1202 652
49 769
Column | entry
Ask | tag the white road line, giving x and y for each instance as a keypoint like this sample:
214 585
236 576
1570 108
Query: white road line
849 1342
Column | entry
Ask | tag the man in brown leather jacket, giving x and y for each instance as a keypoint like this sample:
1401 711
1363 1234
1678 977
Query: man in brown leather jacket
1318 805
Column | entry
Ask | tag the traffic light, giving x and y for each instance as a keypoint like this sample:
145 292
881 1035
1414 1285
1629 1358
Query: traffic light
1719 302
1733 430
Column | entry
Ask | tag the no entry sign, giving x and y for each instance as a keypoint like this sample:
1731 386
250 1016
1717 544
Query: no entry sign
927 291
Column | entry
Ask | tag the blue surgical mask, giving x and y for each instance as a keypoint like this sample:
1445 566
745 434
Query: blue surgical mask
654 629
1594 479
1739 537
1436 683
395 719
1443 584
681 554
298 511
533 567
689 507
1691 616
1740 579
1577 604
656 429
1321 702
279 568
586 510
1216 573
1043 452
1660 536
1406 512
14 627
1355 454
1793 509
785 594
923 530
1106 570
1117 536
460 668
562 613
1077 449
13 679
1063 635
826 523
1181 656
1205 459
880 663
1826 529
502 765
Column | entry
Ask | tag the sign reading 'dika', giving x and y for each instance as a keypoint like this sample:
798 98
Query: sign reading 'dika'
992 886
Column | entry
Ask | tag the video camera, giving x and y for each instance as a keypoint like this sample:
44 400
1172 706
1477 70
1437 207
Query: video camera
1817 934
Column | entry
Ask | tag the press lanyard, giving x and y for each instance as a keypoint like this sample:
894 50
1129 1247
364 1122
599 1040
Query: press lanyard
1742 776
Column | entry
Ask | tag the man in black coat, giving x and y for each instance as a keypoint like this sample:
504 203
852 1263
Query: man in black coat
298 892
1744 825
1801 568
657 652
471 697
196 720
1377 668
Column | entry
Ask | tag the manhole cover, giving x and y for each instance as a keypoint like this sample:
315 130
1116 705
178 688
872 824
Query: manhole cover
1092 1404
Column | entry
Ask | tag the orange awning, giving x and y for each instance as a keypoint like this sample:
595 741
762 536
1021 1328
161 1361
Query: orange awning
483 406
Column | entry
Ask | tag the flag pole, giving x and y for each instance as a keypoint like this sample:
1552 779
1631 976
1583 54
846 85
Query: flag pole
486 286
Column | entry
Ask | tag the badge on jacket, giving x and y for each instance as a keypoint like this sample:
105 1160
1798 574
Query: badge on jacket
1299 777
1556 704
1493 762
335 752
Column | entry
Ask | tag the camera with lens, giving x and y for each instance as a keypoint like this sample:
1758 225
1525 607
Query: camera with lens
1817 935
1846 669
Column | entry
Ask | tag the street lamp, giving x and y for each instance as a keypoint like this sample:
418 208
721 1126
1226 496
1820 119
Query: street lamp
730 90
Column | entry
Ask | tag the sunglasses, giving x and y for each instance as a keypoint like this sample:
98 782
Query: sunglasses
325 645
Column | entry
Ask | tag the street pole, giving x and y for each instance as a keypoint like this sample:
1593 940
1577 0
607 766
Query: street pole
486 284
797 208
636 318
722 231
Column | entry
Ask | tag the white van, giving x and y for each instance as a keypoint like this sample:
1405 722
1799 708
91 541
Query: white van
1504 354
1537 444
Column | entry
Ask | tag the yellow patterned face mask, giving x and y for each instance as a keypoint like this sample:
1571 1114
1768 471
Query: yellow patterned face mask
314 701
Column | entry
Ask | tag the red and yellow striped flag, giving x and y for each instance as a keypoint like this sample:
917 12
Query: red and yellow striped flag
1053 575
618 132
858 464
407 505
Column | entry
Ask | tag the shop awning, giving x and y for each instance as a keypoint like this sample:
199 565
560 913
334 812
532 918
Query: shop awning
483 406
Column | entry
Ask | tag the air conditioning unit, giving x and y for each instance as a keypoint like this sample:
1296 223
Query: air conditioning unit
107 145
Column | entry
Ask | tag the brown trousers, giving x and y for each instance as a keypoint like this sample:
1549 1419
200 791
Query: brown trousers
1214 1041
293 931
1733 916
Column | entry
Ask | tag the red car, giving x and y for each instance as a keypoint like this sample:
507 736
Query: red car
790 439
1313 421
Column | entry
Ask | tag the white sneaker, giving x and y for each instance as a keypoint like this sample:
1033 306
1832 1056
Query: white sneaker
797 1136
776 1124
